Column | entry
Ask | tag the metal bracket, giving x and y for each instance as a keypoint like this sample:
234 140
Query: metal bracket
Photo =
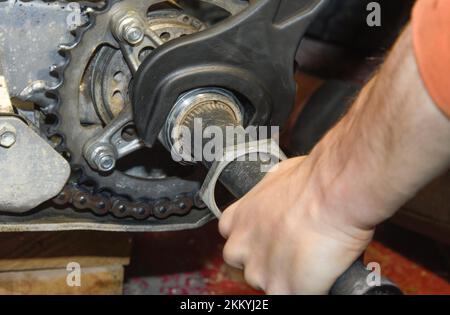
251 54
32 171
232 154
102 151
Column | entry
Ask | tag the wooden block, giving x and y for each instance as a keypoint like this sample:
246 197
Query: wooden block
94 280
53 250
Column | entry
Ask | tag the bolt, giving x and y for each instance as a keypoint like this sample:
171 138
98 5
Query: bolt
106 162
7 138
104 158
133 34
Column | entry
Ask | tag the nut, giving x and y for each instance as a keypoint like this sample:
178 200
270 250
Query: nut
7 136
133 34
103 158
106 163
129 27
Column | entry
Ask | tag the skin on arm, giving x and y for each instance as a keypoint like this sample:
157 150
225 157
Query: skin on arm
301 227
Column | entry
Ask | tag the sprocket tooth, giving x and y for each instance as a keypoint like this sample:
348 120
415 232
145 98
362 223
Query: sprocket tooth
70 52
67 47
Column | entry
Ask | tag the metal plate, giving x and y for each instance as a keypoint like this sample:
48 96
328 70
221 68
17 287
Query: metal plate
31 171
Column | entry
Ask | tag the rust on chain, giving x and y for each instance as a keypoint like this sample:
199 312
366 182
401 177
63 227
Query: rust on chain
101 204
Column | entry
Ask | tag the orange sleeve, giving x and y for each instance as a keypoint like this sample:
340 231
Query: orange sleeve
431 35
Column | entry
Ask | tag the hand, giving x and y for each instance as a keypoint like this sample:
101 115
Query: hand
284 236
301 227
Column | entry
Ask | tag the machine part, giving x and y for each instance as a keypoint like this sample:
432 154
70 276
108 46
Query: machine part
103 150
108 85
7 132
218 110
26 61
5 102
185 109
104 158
133 35
102 204
7 135
32 172
49 219
129 195
67 129
241 175
251 54
123 190
111 76
130 28
354 282
231 155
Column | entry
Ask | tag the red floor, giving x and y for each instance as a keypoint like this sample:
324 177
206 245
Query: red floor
190 262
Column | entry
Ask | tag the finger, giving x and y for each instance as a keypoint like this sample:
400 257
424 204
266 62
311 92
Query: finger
253 276
280 271
226 221
234 253
276 287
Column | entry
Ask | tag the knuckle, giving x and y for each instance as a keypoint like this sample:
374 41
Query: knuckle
224 226
275 287
231 255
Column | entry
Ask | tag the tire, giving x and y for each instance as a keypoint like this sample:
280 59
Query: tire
343 22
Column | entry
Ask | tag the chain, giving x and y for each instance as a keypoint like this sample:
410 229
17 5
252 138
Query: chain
101 204
82 198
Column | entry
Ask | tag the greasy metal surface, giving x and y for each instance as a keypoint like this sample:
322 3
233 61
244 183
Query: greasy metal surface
31 171
75 134
231 155
218 102
26 61
124 188
251 54
5 102
52 219
167 24
102 204
110 138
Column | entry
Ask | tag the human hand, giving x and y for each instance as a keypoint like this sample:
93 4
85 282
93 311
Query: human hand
286 236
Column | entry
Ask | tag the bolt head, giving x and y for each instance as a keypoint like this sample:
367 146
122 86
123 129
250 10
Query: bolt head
134 34
106 163
7 139
103 158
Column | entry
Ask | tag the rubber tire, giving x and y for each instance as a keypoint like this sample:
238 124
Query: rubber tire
344 22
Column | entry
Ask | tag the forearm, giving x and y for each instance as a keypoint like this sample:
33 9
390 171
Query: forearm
392 142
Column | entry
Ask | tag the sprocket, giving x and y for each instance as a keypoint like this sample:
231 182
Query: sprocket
95 68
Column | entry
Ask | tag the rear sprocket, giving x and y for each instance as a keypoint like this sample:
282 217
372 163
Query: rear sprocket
93 91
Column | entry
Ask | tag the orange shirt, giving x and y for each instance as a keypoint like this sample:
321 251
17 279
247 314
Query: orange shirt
431 33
